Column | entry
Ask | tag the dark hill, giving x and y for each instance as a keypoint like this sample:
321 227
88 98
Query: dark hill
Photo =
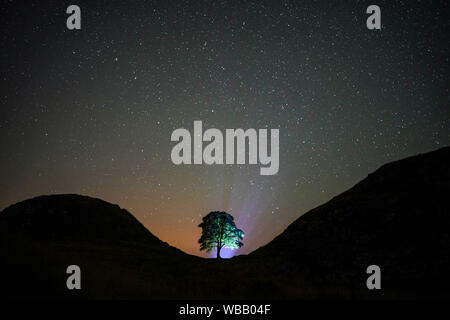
70 217
118 256
397 218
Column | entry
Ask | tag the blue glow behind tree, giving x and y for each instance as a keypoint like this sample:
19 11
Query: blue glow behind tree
219 231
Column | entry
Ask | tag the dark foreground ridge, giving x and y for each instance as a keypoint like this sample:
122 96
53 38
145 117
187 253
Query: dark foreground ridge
397 218
72 217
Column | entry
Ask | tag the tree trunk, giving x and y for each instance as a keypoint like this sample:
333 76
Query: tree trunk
218 252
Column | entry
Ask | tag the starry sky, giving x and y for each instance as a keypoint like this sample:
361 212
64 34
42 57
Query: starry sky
91 111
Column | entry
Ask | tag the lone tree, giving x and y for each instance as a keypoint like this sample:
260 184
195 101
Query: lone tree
219 231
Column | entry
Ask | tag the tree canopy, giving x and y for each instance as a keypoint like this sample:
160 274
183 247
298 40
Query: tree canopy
219 231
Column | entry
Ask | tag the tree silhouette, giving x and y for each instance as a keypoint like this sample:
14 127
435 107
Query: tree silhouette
219 231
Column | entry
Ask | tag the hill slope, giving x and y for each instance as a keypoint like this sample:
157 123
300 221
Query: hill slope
397 218
118 256
76 218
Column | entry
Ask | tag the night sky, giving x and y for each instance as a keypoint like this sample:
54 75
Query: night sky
91 111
